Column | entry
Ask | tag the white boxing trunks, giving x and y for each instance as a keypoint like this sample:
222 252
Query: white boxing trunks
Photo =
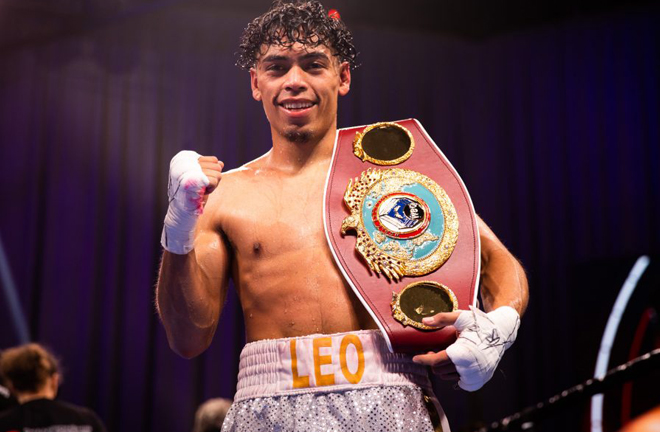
340 382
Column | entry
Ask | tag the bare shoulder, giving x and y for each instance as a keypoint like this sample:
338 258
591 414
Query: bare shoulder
236 185
235 180
484 229
490 242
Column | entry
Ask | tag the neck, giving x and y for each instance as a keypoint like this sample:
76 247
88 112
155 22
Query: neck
45 393
295 156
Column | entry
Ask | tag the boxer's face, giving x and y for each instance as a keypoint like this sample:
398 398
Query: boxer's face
299 87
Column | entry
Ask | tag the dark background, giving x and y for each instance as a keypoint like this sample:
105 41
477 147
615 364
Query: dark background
549 110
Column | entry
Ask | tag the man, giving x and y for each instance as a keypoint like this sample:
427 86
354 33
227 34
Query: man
32 374
7 400
210 415
647 422
273 246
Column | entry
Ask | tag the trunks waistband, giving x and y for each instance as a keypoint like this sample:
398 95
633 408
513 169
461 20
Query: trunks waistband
323 363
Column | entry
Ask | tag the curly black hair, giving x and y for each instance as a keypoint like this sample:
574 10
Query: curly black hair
301 22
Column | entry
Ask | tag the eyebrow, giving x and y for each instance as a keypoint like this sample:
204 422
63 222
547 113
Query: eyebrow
308 56
315 55
272 58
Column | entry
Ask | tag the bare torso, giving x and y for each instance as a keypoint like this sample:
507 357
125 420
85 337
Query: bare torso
282 267
263 223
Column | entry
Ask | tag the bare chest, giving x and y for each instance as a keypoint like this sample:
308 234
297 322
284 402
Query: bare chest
286 278
271 218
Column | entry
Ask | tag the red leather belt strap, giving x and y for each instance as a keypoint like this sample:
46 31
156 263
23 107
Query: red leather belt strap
460 272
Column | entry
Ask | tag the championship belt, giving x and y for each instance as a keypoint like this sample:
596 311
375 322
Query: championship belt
402 229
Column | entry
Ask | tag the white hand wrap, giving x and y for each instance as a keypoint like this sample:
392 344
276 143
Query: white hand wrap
482 340
185 191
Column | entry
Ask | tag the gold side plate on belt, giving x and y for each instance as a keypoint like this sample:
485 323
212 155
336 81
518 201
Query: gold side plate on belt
420 300
384 143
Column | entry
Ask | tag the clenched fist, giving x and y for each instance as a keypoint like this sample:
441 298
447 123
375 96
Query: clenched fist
192 178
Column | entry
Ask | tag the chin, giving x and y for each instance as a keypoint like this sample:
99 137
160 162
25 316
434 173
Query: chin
298 136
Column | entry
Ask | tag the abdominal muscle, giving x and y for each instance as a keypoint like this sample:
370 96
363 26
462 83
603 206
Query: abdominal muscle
295 294
286 278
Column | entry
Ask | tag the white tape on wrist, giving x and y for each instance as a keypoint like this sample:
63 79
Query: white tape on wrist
185 190
482 340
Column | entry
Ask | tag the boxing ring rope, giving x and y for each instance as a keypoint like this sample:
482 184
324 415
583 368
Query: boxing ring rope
603 379
524 420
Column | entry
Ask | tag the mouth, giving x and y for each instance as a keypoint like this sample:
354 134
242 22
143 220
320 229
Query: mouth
297 107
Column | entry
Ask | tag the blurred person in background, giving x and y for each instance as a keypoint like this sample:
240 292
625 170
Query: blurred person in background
647 422
211 414
7 400
32 374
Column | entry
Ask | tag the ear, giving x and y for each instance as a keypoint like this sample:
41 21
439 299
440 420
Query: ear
254 83
55 384
344 79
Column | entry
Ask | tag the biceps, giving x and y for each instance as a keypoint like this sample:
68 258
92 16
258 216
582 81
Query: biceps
213 260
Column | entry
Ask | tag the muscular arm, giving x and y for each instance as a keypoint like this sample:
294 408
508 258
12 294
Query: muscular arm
503 286
192 286
503 280
191 291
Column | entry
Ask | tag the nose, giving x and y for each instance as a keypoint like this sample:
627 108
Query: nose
295 80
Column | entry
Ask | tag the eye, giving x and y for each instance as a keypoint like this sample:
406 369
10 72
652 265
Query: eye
274 67
315 66
318 65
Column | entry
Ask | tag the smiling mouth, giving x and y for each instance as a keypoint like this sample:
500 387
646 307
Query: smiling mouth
296 106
